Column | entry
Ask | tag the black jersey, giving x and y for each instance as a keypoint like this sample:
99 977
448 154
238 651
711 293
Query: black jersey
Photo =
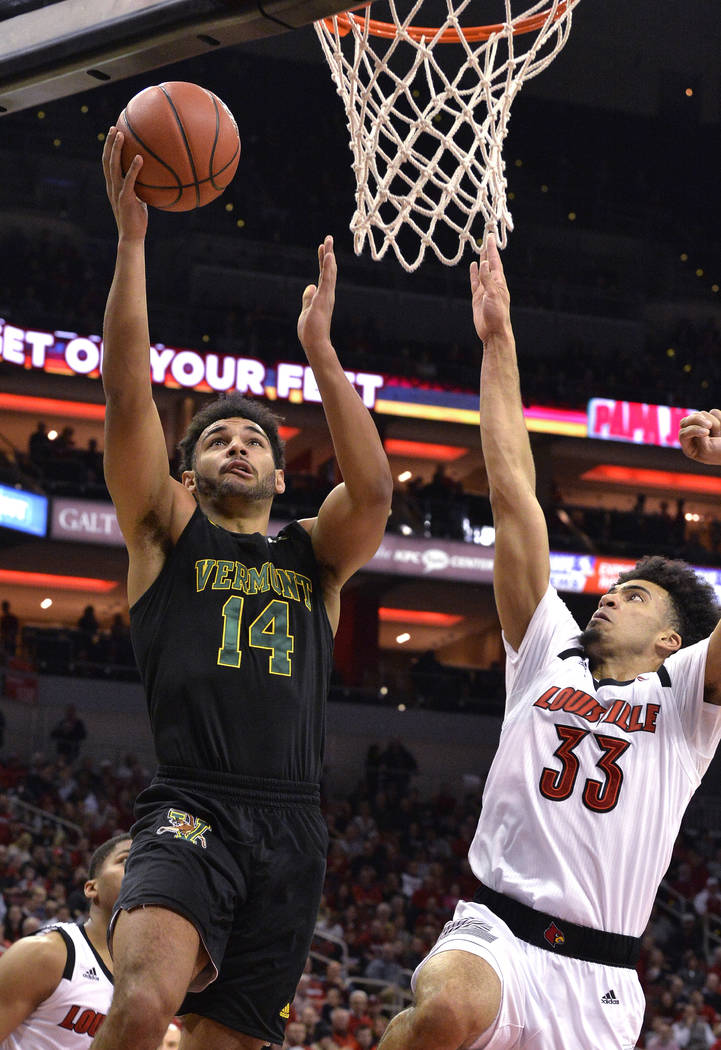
235 649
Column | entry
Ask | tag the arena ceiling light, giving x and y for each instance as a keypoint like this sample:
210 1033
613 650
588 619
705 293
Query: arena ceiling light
49 581
423 617
51 406
639 477
424 450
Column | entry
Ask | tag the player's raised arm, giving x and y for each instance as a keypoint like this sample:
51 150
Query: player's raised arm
136 460
700 437
352 519
521 565
30 971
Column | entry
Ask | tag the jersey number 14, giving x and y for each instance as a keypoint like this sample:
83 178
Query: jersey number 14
269 630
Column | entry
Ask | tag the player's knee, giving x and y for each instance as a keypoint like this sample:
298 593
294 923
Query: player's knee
442 1020
145 1005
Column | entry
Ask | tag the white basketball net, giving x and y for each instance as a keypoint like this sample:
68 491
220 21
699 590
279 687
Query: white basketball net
427 142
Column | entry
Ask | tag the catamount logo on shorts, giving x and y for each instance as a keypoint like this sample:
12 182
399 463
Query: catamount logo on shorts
185 826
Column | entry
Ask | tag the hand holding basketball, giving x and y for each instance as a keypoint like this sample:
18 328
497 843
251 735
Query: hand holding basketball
131 214
189 143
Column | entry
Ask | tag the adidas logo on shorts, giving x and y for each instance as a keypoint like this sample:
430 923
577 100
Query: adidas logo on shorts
609 999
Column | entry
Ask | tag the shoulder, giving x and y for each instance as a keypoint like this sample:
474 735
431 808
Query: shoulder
38 961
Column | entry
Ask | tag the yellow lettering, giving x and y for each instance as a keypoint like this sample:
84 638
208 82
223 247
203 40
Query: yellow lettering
203 571
222 577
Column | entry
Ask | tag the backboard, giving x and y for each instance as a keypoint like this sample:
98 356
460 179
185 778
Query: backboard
49 50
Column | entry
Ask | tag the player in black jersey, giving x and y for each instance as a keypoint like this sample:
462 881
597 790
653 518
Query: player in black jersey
233 634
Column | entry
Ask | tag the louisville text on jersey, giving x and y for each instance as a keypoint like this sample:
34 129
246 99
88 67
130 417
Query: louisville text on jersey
631 718
83 1020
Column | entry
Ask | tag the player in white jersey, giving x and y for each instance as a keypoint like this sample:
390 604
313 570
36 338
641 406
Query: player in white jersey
56 985
607 733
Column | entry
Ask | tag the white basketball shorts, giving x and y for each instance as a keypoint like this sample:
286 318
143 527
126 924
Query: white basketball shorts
548 1002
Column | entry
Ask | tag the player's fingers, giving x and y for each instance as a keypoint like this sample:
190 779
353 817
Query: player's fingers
132 174
485 276
473 274
108 145
308 294
701 419
692 432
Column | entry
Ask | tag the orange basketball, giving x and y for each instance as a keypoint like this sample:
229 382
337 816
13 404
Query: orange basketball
189 143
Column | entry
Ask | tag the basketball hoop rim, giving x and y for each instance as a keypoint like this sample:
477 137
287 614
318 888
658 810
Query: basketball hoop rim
471 34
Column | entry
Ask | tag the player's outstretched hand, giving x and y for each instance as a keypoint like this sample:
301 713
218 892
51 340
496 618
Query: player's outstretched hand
700 436
318 301
131 214
491 300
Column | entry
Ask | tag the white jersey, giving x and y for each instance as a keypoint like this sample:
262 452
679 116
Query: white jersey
70 1017
586 792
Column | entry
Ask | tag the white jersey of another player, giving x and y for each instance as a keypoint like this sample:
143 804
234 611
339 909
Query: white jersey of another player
603 771
70 1017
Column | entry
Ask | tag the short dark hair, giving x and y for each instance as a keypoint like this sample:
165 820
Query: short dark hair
103 851
693 600
229 407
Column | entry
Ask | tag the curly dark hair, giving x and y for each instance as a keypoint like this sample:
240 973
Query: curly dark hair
230 407
693 600
103 851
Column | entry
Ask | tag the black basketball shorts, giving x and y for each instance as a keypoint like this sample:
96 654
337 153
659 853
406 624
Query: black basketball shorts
243 859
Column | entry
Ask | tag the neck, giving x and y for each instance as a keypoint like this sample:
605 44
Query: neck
621 668
248 518
96 928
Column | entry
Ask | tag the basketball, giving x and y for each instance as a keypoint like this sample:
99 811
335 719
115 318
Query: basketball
189 143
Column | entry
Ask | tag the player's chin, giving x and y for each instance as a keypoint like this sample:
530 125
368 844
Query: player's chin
589 638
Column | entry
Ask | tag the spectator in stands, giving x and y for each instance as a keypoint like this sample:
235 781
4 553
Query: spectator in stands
340 1033
358 1007
334 997
69 734
708 901
296 1037
437 497
692 1032
397 766
88 627
39 445
364 1037
15 916
121 650
311 1019
386 967
429 677
692 970
662 1037
711 991
335 978
9 630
